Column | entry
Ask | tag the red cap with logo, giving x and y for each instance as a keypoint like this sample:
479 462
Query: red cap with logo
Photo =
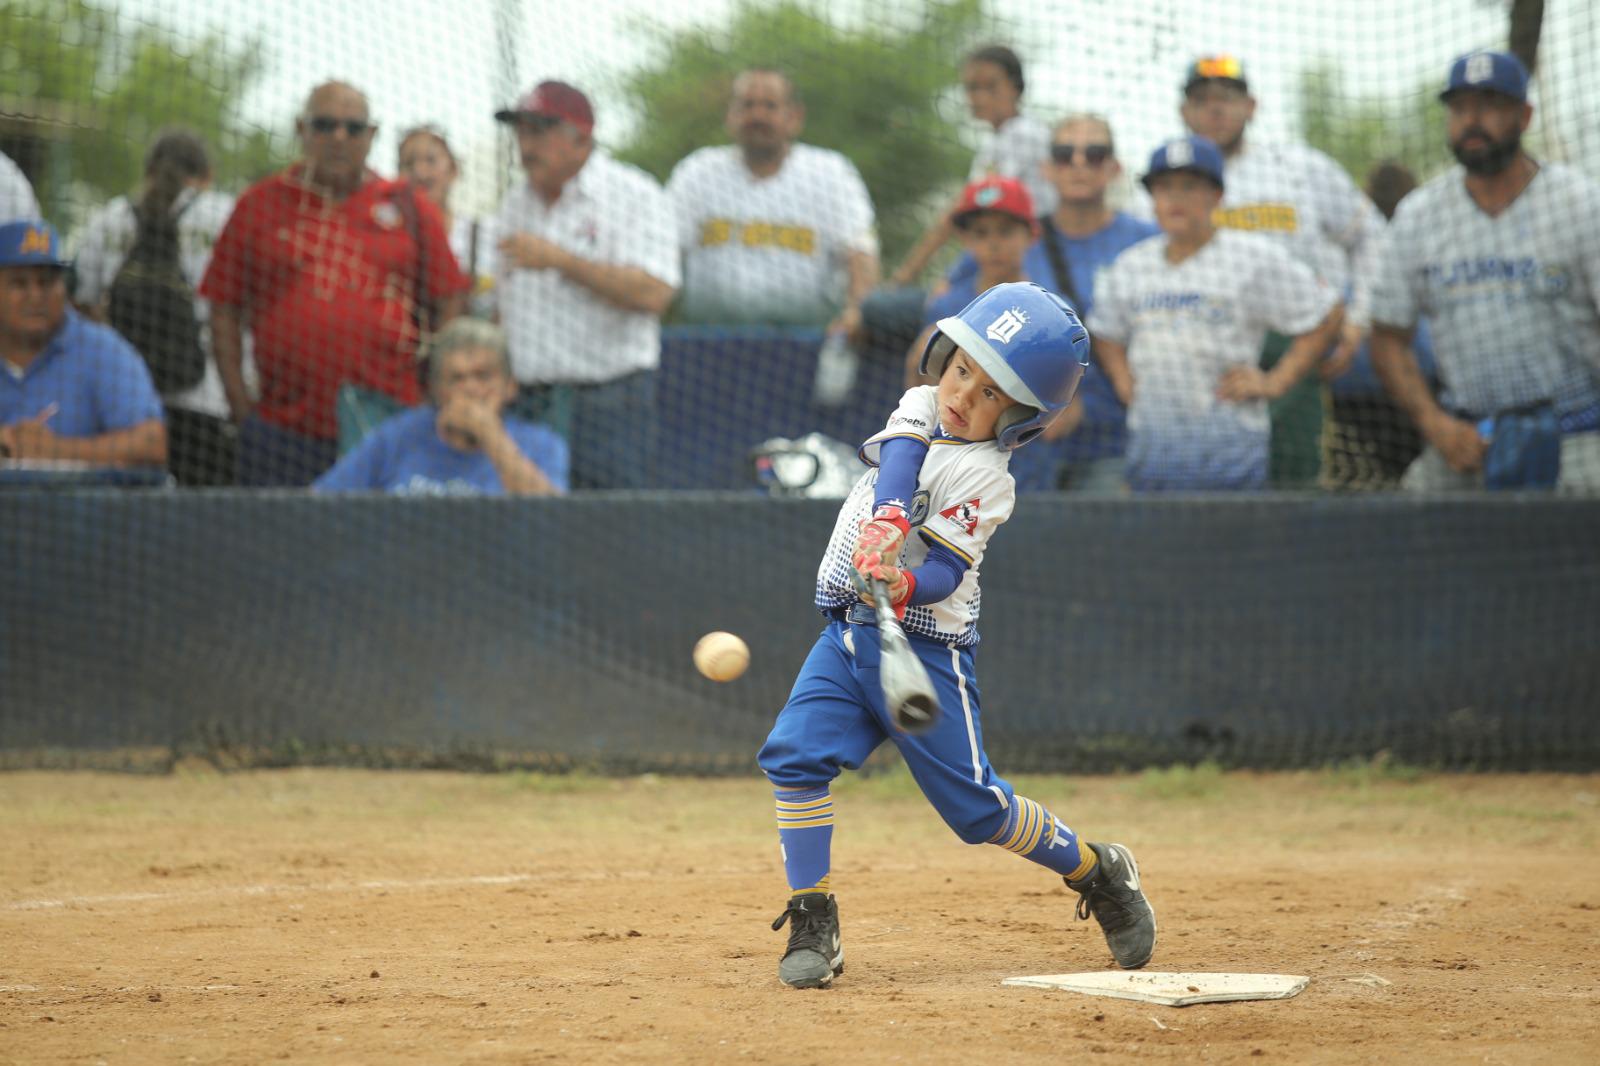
552 100
1008 196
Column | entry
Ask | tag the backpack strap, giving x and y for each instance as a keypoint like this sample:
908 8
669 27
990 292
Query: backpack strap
421 311
1057 254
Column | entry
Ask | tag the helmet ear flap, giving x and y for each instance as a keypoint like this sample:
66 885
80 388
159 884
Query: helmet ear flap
1017 425
936 356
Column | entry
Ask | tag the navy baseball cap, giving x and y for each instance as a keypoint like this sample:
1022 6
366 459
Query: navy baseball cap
1192 153
1495 72
30 243
1215 68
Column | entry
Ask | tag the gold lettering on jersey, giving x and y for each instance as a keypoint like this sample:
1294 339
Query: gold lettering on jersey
719 231
1275 218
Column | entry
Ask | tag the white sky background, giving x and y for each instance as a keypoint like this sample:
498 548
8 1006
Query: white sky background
438 60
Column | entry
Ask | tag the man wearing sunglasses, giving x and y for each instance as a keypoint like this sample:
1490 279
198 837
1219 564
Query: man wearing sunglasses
337 274
1304 200
1077 241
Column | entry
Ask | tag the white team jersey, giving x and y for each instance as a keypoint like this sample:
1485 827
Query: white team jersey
17 202
107 238
1183 325
769 249
1303 199
1513 301
559 331
1018 149
963 493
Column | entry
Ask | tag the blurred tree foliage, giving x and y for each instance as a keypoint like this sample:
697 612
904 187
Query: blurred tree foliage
872 91
97 88
1362 131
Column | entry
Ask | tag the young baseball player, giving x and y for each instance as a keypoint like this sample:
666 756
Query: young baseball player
1179 321
920 520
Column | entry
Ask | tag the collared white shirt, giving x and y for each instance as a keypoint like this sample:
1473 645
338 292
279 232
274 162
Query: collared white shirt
561 332
1018 149
771 249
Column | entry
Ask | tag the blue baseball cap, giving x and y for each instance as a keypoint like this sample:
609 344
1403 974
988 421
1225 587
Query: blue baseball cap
1197 154
1495 72
30 243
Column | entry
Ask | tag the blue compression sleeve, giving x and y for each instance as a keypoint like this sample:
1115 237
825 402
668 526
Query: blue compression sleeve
899 465
938 575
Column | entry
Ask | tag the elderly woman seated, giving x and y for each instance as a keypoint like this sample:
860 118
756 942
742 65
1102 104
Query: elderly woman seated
462 442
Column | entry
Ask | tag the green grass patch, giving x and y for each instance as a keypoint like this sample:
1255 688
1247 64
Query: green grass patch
1201 781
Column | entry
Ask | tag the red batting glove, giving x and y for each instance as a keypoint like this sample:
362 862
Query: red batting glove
902 583
881 538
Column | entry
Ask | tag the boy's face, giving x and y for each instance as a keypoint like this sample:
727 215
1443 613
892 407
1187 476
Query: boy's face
990 95
1184 202
969 401
998 242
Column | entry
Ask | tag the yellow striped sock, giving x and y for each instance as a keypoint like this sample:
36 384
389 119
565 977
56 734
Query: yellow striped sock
824 886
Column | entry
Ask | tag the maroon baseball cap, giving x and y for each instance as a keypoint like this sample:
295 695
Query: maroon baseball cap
1007 196
556 100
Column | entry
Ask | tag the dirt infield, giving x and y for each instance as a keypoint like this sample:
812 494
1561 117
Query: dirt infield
352 917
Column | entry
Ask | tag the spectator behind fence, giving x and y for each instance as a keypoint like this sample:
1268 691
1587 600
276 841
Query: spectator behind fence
17 202
1179 321
71 388
1502 254
1082 451
428 162
338 274
1304 200
588 265
773 230
180 211
1014 145
461 443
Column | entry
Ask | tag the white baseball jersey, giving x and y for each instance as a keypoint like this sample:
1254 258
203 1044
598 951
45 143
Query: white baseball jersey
1183 325
105 241
1513 301
963 493
17 202
561 332
1303 199
1018 149
769 249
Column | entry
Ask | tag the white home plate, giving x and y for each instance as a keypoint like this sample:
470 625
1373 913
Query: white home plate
1169 989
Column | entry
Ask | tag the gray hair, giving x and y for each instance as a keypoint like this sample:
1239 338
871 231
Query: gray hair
463 333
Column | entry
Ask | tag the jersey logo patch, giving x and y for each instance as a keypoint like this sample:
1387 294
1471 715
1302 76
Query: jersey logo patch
1008 325
964 516
919 507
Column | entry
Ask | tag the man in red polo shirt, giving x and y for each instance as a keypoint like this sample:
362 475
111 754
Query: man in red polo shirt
334 271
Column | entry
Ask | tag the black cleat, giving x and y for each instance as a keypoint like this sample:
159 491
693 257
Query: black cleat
815 955
1112 894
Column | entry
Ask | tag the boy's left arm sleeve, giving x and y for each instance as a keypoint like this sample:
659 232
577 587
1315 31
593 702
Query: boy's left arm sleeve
937 577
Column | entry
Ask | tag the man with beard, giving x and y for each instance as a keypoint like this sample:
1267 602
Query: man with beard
1306 202
773 231
588 263
1502 255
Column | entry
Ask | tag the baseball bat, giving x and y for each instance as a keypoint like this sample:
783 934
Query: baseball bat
907 693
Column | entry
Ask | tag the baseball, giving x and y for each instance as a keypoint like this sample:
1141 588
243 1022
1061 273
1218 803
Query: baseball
721 656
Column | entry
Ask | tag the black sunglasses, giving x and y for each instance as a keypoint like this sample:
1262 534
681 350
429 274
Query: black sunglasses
1093 154
355 127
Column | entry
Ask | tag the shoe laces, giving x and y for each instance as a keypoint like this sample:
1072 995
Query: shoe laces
1099 899
808 927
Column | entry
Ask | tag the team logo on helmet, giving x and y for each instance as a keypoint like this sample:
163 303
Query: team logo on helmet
1007 326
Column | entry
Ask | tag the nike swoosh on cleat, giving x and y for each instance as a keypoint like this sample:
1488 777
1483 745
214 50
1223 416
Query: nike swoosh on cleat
1133 868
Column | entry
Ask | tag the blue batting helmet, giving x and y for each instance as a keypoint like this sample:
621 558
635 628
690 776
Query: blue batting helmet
1029 341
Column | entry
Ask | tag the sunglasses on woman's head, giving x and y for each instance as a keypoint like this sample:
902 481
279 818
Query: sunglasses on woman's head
1093 154
355 127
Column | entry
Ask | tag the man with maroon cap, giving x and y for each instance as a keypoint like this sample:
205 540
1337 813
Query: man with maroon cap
588 264
337 274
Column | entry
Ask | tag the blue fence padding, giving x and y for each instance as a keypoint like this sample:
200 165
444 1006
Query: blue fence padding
1266 631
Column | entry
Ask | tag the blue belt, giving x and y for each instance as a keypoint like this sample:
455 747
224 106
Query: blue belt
857 614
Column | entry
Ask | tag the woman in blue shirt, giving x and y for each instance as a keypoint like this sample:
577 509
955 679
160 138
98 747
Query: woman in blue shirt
461 443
